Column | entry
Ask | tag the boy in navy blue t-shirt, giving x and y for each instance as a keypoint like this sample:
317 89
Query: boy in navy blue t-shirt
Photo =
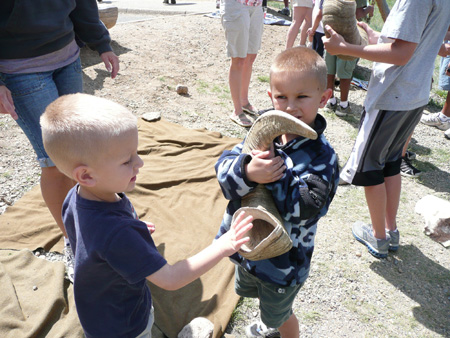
94 141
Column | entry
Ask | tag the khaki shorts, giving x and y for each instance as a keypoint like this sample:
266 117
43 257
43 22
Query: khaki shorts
243 27
302 3
342 68
275 302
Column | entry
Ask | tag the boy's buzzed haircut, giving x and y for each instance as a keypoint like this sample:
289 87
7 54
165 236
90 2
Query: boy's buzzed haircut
301 59
76 128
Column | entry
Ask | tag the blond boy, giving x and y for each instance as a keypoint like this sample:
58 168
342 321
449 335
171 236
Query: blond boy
302 175
94 141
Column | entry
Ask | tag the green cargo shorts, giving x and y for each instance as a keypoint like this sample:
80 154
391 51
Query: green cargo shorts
275 302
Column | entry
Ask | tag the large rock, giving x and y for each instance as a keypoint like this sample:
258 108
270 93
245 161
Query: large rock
436 212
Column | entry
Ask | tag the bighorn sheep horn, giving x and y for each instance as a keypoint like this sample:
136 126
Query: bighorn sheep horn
340 15
268 237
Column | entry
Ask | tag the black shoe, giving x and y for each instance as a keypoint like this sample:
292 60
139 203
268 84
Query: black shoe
407 169
410 155
173 2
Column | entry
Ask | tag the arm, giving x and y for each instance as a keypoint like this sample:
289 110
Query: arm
92 31
6 103
173 277
316 20
363 11
398 52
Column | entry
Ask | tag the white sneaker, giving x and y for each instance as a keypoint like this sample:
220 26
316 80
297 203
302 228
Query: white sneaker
447 134
434 121
258 329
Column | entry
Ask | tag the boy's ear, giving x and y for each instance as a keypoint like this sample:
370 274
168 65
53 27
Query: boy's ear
325 97
82 174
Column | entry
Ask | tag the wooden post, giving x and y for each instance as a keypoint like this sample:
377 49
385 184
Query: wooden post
384 9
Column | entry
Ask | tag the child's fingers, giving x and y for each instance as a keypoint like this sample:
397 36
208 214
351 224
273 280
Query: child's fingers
241 242
241 231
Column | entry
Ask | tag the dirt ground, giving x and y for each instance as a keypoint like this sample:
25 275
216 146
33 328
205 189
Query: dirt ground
349 293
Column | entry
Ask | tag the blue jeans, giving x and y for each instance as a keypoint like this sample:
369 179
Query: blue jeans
33 92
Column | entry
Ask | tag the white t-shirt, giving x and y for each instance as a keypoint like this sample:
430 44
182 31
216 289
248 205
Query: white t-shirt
318 4
407 87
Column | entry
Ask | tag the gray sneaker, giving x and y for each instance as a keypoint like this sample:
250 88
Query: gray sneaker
258 329
377 247
447 134
341 112
395 239
285 11
434 121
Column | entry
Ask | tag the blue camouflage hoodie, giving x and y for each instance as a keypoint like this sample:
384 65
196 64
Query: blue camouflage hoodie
302 197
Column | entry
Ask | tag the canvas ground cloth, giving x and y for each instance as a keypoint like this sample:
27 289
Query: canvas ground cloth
176 190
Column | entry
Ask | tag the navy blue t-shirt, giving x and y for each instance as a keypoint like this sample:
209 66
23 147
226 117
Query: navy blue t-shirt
114 253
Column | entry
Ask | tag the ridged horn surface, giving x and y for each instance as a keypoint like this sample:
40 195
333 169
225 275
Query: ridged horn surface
268 237
271 125
340 15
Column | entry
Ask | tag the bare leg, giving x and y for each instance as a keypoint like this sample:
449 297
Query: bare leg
235 81
289 329
54 188
298 16
376 201
307 23
446 108
246 77
405 147
344 85
393 186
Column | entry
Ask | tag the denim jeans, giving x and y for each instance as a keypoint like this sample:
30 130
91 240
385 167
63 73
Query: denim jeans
33 92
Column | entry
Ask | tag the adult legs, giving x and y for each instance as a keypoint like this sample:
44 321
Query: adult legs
31 94
239 80
299 14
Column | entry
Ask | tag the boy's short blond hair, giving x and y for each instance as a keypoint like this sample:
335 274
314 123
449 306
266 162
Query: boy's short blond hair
76 129
301 59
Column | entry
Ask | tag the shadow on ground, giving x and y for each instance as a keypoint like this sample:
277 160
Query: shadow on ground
424 281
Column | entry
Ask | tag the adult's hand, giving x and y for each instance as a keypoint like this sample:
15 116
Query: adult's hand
111 62
6 103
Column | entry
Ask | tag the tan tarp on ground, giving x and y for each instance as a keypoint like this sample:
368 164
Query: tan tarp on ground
177 190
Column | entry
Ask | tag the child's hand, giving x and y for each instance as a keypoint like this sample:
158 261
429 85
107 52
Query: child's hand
265 167
150 226
233 239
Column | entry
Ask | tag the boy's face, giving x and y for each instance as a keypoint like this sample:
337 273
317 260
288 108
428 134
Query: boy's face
298 93
116 167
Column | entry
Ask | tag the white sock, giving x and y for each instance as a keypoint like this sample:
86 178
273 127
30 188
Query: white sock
344 104
443 118
66 241
332 100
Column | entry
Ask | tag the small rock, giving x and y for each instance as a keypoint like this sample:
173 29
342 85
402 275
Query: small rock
182 90
35 287
198 328
152 116
358 254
